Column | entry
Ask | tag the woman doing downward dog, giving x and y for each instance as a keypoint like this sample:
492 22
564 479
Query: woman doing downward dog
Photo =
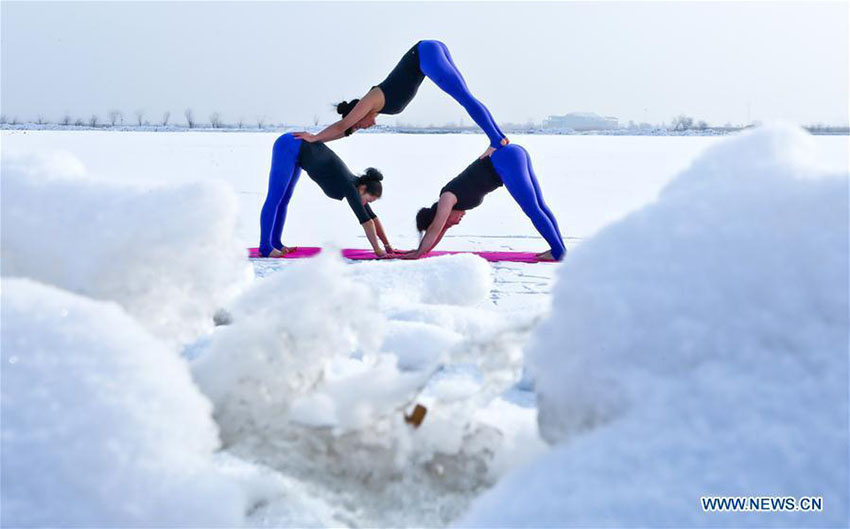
427 58
289 156
509 166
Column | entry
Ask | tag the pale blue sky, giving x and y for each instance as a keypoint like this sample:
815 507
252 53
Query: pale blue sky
718 61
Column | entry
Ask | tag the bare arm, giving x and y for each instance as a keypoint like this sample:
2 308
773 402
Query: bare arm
369 228
439 238
371 102
379 228
438 226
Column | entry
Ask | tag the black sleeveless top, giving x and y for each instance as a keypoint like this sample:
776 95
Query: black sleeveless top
336 180
473 183
402 83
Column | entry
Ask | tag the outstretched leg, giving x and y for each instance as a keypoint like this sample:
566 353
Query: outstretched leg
539 195
282 177
452 62
436 63
511 162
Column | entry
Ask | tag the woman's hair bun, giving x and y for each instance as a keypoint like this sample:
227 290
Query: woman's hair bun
344 107
373 174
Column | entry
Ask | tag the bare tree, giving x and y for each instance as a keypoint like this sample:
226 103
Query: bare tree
78 122
93 121
140 115
39 120
261 122
165 117
115 116
682 122
215 120
66 120
190 118
240 122
702 125
2 119
315 121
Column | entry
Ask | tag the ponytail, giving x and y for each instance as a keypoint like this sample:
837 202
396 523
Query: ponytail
425 216
343 108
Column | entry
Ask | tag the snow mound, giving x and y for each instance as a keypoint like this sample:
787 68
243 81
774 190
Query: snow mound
314 375
102 424
698 347
286 329
169 256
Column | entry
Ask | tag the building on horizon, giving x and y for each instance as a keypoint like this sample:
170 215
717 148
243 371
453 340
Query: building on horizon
581 121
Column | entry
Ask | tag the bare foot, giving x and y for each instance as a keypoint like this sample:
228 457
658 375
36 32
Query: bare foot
545 256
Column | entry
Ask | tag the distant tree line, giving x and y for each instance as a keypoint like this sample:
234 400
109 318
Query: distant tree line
115 118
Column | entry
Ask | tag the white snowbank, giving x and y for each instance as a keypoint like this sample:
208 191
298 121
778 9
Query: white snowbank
696 348
102 424
167 255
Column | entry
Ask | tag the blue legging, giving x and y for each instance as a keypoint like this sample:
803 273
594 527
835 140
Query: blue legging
436 62
514 167
282 179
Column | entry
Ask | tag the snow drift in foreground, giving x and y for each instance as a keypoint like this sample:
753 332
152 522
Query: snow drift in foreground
697 348
167 255
315 372
102 424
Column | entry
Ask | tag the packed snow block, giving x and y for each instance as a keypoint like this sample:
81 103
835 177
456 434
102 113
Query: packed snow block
418 345
168 255
102 424
698 347
463 280
286 329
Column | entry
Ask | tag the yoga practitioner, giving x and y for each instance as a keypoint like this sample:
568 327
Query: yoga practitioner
289 156
429 58
509 166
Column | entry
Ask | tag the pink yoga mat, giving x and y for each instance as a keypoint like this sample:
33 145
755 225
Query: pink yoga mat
515 257
365 255
299 253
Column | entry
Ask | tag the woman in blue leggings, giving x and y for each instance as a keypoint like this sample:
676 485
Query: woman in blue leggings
427 58
509 166
289 156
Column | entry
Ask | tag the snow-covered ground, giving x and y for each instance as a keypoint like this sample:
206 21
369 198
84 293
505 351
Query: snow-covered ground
131 246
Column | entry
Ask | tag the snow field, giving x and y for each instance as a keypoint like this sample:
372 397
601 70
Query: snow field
698 347
690 348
